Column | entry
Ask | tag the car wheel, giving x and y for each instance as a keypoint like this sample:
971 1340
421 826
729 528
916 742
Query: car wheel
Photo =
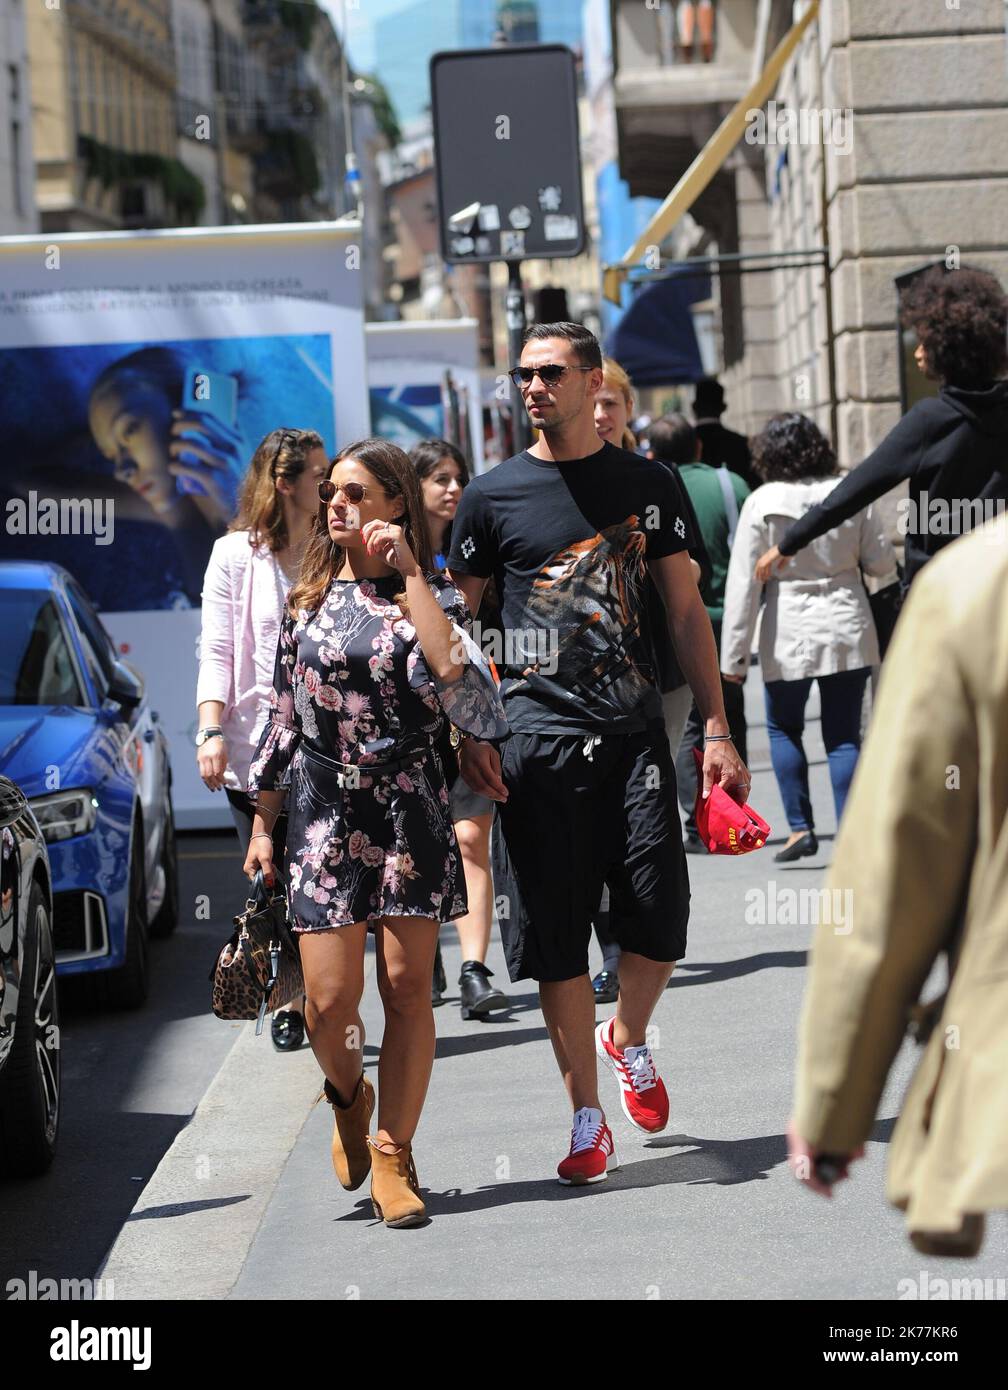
126 988
166 918
30 1081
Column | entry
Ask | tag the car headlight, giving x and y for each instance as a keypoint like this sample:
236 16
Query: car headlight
65 814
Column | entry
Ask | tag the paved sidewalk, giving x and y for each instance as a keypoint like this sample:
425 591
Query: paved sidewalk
707 1209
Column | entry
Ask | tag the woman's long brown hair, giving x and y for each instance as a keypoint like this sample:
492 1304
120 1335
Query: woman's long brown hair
323 558
281 454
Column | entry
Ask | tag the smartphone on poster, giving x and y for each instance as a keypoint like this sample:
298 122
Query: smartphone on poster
207 393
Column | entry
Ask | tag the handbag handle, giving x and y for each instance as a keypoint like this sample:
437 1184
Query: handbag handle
260 895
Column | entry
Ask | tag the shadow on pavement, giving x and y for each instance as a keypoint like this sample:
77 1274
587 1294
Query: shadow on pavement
724 1162
732 969
184 1208
486 1039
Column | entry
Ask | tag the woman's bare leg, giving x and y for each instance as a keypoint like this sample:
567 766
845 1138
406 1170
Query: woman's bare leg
473 835
333 965
405 948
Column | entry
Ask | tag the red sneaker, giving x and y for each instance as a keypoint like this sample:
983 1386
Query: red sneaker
642 1091
591 1152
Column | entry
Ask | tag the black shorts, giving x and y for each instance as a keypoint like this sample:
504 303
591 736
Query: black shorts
580 815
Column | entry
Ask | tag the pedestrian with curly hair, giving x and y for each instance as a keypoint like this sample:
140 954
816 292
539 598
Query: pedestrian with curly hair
952 449
816 624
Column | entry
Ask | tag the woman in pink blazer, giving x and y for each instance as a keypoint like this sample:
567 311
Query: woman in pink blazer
247 581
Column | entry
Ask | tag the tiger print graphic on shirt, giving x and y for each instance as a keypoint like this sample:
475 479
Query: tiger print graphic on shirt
589 595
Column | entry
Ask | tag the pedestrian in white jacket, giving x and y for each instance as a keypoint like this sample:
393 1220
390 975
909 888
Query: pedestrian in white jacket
815 623
245 591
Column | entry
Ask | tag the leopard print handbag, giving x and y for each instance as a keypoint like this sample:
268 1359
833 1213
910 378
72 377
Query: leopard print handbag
259 968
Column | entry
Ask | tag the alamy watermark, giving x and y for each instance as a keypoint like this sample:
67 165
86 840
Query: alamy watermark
45 1289
805 125
64 516
930 1288
951 516
517 648
800 907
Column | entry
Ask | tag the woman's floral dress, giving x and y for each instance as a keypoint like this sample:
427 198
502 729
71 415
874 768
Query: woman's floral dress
352 692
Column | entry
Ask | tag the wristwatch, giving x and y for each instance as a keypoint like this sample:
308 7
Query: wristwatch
457 737
212 731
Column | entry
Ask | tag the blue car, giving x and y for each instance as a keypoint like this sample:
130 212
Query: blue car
79 738
29 1003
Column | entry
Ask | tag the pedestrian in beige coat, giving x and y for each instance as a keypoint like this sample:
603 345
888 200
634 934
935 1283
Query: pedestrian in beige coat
924 849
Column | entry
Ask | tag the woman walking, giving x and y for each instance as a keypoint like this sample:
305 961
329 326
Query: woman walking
816 624
368 665
247 581
443 473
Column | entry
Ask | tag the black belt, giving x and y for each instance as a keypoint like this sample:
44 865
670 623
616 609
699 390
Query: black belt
353 771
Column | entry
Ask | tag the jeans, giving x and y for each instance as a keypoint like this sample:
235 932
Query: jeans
840 697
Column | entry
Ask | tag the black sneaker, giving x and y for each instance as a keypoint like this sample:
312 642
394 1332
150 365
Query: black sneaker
605 987
693 844
479 997
440 982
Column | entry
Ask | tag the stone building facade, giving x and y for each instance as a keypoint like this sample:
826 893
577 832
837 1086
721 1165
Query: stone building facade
921 174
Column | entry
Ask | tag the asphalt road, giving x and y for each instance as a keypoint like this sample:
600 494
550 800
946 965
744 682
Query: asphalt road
130 1083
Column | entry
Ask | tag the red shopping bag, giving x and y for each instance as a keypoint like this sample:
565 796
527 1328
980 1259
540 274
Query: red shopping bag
724 826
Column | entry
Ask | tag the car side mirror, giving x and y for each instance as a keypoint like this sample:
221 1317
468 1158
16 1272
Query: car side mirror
126 688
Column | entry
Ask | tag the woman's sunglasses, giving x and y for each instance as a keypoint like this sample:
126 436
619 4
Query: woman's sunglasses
353 492
549 374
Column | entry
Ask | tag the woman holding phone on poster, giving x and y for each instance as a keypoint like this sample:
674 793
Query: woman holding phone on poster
172 437
247 581
372 659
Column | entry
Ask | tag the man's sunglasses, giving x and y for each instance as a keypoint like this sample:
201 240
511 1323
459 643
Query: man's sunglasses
353 492
549 374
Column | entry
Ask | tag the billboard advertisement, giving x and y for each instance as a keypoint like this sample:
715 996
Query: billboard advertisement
424 381
138 372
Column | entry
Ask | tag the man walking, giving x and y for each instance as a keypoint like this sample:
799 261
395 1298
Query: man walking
585 785
722 448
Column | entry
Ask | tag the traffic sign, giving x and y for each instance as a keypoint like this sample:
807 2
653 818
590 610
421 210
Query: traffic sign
507 153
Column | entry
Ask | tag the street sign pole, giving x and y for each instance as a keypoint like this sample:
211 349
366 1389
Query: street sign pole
515 312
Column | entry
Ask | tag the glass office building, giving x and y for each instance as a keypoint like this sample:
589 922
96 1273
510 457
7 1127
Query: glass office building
405 40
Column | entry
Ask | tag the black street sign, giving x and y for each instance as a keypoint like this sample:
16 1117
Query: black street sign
507 153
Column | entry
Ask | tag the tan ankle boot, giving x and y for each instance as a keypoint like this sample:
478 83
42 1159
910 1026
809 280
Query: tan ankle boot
351 1156
395 1187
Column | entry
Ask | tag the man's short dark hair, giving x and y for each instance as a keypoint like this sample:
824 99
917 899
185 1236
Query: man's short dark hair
672 439
708 397
583 342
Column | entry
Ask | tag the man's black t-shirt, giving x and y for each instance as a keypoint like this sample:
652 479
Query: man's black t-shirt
568 545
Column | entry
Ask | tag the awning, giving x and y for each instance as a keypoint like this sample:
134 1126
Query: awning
655 340
709 160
